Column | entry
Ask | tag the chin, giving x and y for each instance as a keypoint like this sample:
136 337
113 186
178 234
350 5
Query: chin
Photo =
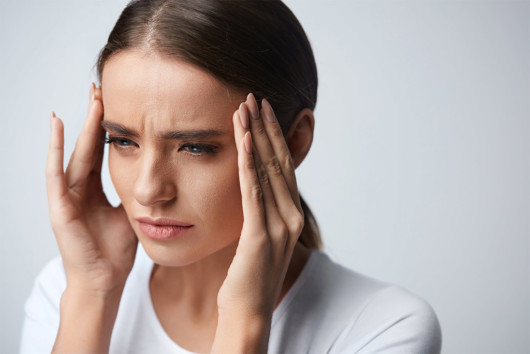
180 255
168 256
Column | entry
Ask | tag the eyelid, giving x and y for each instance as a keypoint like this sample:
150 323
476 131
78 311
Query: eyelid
207 148
112 139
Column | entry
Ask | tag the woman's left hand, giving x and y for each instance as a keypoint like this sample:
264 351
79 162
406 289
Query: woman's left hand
273 221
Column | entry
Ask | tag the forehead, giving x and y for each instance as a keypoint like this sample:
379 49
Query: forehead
135 84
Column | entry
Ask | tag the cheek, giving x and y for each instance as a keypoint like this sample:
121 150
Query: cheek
122 176
216 192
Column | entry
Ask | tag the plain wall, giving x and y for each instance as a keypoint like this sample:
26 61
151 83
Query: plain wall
419 171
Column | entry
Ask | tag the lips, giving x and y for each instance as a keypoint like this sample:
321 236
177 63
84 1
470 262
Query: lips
162 229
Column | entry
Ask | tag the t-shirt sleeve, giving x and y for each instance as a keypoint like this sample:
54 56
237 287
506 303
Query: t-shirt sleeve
393 321
41 320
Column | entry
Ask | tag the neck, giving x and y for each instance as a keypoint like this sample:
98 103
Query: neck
195 285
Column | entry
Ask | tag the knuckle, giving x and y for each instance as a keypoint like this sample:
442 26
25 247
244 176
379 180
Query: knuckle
296 224
263 177
277 131
256 193
273 167
249 164
287 162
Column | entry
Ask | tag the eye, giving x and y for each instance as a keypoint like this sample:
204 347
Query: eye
121 142
198 149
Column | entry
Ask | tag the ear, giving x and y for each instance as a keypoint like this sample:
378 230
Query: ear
300 135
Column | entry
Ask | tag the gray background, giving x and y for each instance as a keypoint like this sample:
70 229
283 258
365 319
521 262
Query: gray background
419 172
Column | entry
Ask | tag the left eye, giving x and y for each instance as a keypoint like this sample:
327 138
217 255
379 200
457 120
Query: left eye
198 149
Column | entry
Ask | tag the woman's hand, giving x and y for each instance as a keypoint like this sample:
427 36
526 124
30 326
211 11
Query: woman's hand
96 241
273 220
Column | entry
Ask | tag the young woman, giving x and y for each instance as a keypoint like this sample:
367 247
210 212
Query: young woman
207 107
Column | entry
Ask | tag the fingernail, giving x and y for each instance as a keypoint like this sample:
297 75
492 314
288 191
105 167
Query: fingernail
253 106
243 115
269 113
52 114
248 143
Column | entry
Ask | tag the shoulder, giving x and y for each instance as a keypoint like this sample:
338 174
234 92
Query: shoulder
42 308
393 318
48 285
352 312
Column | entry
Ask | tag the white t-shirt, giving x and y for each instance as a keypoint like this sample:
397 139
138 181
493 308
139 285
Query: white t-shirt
329 309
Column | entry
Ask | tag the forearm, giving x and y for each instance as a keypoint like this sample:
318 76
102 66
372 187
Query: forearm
242 335
86 321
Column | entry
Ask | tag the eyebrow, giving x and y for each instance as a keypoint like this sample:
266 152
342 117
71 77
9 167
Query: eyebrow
171 135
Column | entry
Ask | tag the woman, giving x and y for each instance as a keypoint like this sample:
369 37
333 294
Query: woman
208 109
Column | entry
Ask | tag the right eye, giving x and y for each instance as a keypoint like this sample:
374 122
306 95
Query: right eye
120 142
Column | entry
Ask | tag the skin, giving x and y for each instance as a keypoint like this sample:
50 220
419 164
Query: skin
226 275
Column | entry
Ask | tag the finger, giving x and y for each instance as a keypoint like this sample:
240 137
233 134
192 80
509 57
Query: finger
277 230
90 95
55 181
287 200
100 148
281 150
251 193
240 122
83 157
275 226
99 152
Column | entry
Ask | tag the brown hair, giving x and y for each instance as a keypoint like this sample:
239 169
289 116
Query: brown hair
251 46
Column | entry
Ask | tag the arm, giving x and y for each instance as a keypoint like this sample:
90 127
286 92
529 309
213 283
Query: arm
95 239
86 321
273 220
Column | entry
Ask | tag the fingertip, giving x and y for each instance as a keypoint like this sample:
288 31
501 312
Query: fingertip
91 91
253 106
55 121
235 118
267 111
98 94
243 115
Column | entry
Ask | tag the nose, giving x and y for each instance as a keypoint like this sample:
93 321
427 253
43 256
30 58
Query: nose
154 184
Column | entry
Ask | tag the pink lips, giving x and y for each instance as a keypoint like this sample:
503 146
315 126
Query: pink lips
162 229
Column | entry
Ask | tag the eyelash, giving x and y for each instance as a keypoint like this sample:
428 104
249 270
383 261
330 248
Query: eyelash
204 148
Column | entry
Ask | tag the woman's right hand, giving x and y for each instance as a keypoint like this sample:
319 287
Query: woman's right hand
96 240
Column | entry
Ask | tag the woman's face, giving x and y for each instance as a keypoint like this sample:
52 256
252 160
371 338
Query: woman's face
173 153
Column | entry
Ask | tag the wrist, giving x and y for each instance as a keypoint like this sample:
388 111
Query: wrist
86 319
80 298
242 334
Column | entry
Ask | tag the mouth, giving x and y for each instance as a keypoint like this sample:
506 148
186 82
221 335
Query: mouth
162 229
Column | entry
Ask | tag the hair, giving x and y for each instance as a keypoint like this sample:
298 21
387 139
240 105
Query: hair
250 46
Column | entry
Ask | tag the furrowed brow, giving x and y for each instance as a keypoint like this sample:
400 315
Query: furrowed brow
173 135
193 134
117 128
